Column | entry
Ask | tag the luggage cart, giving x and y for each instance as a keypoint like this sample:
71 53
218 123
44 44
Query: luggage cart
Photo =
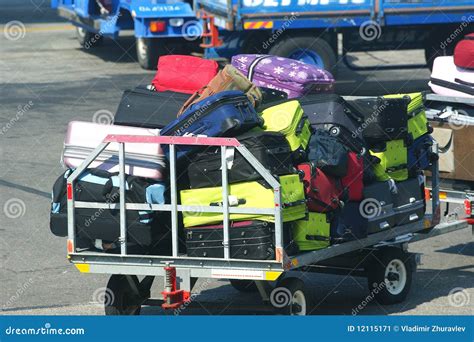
382 257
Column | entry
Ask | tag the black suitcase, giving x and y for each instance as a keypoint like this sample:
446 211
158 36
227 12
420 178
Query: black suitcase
270 98
384 119
348 224
377 207
409 201
330 112
102 224
270 148
141 107
248 240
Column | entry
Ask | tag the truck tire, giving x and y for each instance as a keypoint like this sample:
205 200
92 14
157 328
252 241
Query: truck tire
290 297
148 52
88 39
308 49
246 286
390 275
119 297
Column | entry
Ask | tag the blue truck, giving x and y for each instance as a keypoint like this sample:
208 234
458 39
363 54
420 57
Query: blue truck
160 26
322 31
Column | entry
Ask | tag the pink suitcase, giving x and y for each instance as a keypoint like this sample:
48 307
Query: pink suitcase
141 160
449 80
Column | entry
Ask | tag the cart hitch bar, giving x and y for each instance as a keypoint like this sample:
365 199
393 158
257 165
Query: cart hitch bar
172 297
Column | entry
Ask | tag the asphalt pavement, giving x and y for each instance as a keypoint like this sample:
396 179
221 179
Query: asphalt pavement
46 80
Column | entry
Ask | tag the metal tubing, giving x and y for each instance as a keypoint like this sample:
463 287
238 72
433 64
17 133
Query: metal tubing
174 200
123 212
436 209
225 202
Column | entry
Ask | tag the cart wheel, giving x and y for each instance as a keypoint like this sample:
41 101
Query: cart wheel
148 52
123 300
289 297
247 286
390 275
88 39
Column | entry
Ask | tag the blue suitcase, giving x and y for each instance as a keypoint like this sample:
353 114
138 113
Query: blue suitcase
420 156
227 113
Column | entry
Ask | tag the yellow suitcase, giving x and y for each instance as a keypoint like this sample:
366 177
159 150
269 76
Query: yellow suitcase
249 195
313 232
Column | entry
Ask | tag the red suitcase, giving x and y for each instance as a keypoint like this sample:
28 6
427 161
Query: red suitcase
184 74
464 52
353 182
322 192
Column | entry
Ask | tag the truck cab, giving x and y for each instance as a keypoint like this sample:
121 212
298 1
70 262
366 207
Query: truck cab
160 26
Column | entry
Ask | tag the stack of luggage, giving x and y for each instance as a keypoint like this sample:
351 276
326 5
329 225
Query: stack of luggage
346 168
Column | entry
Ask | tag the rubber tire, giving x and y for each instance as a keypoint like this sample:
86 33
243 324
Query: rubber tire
148 52
246 286
124 302
287 45
294 285
376 274
85 38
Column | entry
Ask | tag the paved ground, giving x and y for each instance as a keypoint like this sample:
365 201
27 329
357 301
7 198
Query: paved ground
47 81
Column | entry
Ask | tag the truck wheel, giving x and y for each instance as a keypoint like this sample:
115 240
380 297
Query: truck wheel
247 286
120 298
148 52
289 297
88 39
390 275
307 49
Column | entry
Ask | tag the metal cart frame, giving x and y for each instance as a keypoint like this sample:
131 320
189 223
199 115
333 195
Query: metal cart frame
179 269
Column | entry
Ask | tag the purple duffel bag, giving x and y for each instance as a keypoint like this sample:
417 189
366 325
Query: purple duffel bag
291 76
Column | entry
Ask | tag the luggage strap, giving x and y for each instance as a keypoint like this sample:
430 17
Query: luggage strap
253 65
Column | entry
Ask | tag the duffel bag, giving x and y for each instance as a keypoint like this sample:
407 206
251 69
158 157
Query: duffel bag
104 224
328 154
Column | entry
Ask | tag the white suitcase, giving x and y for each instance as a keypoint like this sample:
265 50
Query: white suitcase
141 160
449 80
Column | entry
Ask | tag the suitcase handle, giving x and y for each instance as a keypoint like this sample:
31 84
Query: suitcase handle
470 84
293 204
301 124
396 168
318 238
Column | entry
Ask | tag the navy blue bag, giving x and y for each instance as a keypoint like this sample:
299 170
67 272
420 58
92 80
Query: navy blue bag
227 113
349 224
420 156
